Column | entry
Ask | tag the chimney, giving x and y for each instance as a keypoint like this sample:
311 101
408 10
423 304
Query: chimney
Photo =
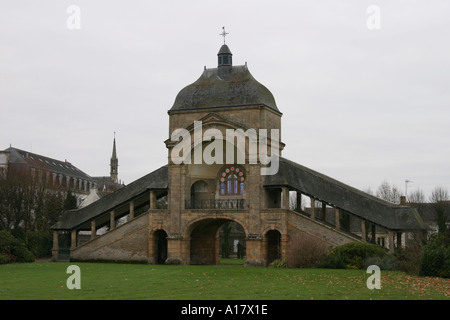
402 200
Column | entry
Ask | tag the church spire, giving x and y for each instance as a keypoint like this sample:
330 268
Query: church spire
114 163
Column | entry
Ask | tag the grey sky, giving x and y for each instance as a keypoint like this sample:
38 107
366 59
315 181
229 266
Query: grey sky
359 105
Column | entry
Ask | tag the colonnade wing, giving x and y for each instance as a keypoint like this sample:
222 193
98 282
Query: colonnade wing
100 209
344 197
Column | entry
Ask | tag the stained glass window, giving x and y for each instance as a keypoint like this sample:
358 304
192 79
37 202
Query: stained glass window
232 181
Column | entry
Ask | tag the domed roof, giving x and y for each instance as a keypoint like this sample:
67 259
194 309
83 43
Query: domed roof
225 86
224 49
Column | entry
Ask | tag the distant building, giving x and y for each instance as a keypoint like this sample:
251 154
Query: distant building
60 174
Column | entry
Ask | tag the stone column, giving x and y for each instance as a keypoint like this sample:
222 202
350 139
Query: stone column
256 250
284 246
391 241
399 239
112 220
285 198
152 200
337 218
60 176
299 201
313 208
131 210
73 239
363 230
55 246
324 211
93 230
373 229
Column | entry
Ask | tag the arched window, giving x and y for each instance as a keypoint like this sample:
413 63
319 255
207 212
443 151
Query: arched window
232 181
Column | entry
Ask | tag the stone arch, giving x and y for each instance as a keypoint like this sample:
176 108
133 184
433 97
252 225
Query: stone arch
204 239
199 191
159 246
273 245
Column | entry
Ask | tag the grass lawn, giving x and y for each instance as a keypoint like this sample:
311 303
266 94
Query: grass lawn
47 280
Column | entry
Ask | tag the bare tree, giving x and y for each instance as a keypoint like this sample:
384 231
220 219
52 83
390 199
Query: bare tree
368 190
439 194
417 196
389 193
441 203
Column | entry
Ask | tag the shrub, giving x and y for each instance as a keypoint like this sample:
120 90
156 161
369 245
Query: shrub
13 249
410 258
388 262
305 251
352 255
436 257
278 263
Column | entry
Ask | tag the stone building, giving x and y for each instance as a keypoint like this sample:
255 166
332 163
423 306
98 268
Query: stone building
175 212
62 174
56 173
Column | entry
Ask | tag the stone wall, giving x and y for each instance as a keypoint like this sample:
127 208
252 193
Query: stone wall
129 242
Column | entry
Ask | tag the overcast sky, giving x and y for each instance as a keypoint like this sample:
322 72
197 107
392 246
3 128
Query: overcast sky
361 105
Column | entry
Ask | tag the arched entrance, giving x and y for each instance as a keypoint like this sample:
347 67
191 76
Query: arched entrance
160 238
205 242
273 238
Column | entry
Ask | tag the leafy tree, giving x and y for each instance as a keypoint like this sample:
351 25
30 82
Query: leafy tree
71 201
28 208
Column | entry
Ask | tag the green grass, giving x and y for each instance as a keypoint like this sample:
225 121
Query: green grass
47 280
232 262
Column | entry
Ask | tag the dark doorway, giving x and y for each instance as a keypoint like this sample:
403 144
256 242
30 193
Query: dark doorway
161 241
273 245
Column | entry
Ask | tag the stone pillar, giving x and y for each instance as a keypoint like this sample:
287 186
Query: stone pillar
93 230
67 182
313 208
177 252
285 198
299 201
55 246
256 251
131 210
373 238
55 176
324 211
152 200
337 218
60 176
399 239
112 220
284 246
73 239
363 230
391 241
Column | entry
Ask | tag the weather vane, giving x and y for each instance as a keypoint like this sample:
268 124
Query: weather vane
223 34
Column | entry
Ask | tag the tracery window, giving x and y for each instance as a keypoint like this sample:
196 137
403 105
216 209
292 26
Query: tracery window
232 181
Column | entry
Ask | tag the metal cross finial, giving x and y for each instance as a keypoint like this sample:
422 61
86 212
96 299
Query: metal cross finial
223 34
